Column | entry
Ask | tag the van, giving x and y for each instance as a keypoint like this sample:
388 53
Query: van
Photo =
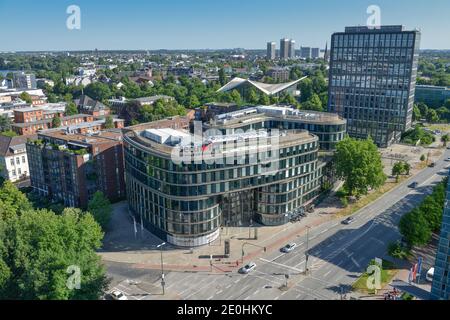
430 275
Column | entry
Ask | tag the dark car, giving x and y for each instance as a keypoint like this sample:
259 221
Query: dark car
348 221
413 185
433 165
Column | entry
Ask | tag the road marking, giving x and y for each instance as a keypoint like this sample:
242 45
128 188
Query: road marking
280 265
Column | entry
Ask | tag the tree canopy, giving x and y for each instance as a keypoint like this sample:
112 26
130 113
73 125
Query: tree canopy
359 164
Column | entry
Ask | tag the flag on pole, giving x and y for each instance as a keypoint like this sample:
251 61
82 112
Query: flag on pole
419 271
415 272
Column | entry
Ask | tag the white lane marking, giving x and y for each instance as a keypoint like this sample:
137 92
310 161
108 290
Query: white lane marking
281 265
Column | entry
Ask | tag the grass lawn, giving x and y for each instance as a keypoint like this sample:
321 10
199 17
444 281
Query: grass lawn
387 274
442 127
371 197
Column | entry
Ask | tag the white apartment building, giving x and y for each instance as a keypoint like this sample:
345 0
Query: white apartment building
13 158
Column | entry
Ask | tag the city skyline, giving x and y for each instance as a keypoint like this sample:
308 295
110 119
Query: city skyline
195 25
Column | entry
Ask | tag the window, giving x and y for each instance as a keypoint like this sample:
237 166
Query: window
18 160
13 173
24 159
12 161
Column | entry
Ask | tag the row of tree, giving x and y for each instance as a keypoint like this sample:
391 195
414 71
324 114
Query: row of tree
417 226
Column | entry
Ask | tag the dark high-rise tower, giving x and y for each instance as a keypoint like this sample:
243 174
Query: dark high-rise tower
285 45
372 80
271 51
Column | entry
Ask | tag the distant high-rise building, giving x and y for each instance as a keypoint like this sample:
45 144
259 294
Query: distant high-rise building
326 55
22 80
285 45
440 289
372 80
305 52
271 50
292 49
315 53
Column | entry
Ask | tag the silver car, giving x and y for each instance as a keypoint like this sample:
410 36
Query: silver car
289 247
247 268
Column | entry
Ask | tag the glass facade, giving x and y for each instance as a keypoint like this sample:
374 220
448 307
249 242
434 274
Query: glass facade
187 204
372 81
441 280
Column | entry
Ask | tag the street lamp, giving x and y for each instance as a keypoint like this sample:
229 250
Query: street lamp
163 283
307 249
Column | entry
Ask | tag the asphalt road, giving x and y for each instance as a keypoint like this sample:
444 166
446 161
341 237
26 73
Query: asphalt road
338 255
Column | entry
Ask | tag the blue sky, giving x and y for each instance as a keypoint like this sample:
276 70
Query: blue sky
199 24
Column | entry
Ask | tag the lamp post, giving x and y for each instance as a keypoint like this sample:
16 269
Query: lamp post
307 249
163 283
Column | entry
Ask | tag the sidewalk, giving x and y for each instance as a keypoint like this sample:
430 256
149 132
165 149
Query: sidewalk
122 245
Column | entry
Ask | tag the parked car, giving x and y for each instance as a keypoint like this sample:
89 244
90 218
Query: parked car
448 159
430 275
289 247
348 221
432 165
247 268
413 185
118 295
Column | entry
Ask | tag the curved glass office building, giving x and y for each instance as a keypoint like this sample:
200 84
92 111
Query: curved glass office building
184 187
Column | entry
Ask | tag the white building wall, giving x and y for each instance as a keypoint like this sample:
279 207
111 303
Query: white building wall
15 166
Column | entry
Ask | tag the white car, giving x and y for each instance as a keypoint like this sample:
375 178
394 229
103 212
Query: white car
118 295
247 268
289 248
430 275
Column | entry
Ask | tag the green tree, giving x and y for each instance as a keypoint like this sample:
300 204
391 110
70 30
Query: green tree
416 113
56 122
5 123
98 91
445 139
414 228
101 209
25 96
40 251
264 100
12 201
222 77
71 109
398 169
432 116
252 97
109 122
359 164
306 90
313 104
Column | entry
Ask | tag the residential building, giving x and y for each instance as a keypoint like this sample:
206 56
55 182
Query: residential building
33 127
271 51
279 74
13 158
117 104
372 80
70 168
185 203
285 45
432 96
440 289
87 105
22 80
305 52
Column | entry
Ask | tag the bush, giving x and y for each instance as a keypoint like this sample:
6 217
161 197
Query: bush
398 251
344 202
